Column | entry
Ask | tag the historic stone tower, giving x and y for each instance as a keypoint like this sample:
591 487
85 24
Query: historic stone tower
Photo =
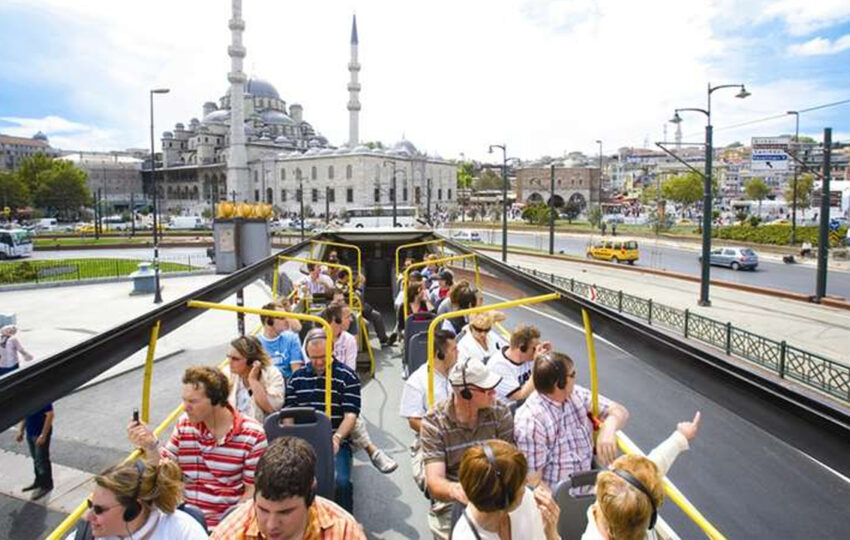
353 91
238 179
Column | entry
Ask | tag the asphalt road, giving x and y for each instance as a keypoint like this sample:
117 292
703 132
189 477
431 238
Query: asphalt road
795 278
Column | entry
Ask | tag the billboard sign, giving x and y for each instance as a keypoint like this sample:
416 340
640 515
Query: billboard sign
770 154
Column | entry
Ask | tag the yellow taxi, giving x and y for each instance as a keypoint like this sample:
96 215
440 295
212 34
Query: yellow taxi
617 251
84 228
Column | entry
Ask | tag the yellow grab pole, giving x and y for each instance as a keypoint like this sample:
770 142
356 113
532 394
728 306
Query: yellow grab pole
340 244
331 265
436 321
435 261
146 381
274 279
629 447
368 345
440 241
289 315
591 355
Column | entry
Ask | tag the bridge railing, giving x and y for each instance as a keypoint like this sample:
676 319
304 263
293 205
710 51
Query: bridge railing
786 361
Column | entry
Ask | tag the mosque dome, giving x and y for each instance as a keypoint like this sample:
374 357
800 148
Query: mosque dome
282 139
217 117
406 146
360 149
343 150
40 136
277 118
261 88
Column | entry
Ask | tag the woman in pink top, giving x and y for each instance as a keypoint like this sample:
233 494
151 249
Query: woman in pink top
9 349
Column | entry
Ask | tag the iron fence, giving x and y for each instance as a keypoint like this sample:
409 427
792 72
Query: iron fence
50 271
807 368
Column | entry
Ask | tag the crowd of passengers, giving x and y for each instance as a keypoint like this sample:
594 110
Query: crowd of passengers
508 425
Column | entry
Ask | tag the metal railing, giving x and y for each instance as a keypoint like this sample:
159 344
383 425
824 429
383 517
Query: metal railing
786 361
57 270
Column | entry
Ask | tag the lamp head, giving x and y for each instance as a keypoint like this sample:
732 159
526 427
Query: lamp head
490 149
160 91
743 93
792 112
676 118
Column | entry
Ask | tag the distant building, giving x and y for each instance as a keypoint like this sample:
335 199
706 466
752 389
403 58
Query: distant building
577 184
13 150
117 175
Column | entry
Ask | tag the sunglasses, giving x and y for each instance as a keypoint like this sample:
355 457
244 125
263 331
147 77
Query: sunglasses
98 509
481 330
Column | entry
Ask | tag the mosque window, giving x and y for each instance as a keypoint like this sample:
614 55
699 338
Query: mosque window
314 195
256 195
449 194
404 194
269 195
331 172
417 197
377 194
283 174
331 195
314 173
348 172
349 194
283 195
256 177
298 173
440 194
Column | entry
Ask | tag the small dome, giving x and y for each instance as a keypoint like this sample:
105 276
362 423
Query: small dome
217 117
325 151
179 126
407 146
343 150
276 118
282 139
360 149
249 130
193 122
261 88
167 135
40 136
312 151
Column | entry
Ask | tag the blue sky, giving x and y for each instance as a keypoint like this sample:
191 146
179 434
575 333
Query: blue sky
544 77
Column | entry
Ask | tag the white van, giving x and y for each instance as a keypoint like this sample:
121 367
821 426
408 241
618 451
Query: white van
187 222
46 224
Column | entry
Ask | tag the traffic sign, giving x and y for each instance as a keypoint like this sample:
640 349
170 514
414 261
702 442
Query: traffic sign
770 154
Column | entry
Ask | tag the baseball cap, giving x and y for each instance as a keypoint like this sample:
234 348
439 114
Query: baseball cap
476 374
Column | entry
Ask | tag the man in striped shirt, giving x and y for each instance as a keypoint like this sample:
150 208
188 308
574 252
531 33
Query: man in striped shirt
285 503
216 447
306 388
470 416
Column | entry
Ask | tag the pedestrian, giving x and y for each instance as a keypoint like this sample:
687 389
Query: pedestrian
9 349
614 228
603 226
38 427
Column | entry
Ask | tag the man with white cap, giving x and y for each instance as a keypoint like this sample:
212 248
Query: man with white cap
471 415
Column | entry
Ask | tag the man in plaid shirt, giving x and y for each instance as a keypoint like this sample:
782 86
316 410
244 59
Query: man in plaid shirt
553 427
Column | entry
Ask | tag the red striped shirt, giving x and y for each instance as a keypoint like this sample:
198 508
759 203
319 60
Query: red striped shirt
215 473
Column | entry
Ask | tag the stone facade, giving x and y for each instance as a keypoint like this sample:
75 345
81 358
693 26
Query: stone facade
580 184
13 150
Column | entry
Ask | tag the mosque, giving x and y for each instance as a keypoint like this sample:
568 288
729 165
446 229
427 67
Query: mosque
278 155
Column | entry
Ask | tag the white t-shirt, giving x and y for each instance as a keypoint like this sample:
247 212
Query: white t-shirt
526 523
162 526
414 395
319 286
468 347
513 375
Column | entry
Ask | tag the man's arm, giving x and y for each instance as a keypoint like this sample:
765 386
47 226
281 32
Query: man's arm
523 391
415 424
606 441
344 430
45 430
440 487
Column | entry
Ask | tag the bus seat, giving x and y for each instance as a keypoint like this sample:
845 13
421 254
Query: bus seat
197 513
414 324
457 512
573 519
315 428
418 354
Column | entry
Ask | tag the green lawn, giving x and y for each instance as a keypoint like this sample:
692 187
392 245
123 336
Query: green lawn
73 269
87 241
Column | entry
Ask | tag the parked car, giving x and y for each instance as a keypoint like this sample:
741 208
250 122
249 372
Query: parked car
466 236
736 258
617 251
84 228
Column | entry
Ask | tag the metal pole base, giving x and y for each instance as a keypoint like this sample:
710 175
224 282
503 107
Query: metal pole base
704 303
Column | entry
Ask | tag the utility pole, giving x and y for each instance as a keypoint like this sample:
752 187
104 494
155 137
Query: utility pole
823 232
301 200
796 172
552 209
504 199
428 199
327 205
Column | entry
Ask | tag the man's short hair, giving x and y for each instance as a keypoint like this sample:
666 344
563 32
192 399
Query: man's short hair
214 382
628 511
286 469
456 290
545 372
523 335
333 312
467 298
311 267
441 340
271 306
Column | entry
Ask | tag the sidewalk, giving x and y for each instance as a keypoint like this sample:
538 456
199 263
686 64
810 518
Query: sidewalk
818 329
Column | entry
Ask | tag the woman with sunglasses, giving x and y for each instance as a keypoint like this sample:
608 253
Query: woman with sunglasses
256 386
480 340
132 500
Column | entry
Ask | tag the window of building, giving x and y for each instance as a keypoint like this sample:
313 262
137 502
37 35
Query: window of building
298 173
314 173
439 194
331 172
349 194
256 195
283 174
348 172
331 195
298 194
404 194
449 194
392 194
269 195
256 177
283 195
417 195
377 194
314 195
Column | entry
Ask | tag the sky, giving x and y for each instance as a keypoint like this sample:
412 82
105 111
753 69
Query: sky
541 77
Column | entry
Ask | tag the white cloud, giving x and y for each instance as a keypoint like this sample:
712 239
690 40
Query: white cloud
61 132
820 46
802 17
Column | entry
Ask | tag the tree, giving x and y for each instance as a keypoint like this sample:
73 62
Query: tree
489 179
805 188
649 194
465 174
685 189
594 216
372 145
736 144
13 191
757 190
31 170
63 189
571 211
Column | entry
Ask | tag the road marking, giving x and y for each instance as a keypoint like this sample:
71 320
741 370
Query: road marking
824 465
568 324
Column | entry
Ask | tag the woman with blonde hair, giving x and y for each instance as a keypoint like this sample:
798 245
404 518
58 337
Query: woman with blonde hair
9 349
256 386
629 495
501 507
133 500
480 340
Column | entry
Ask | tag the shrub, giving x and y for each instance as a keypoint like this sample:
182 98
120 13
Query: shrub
769 234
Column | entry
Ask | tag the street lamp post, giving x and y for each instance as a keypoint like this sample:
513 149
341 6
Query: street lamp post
157 297
599 191
301 200
504 198
705 275
794 187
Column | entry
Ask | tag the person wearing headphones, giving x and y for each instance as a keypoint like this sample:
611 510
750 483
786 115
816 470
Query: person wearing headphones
256 386
280 341
480 340
500 504
630 493
471 415
513 362
216 446
285 503
553 427
132 500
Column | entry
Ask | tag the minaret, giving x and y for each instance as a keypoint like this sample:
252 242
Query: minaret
353 91
238 179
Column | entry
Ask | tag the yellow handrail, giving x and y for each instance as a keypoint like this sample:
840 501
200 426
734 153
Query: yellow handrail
407 270
435 322
146 381
441 241
591 356
340 244
629 447
288 315
331 265
368 346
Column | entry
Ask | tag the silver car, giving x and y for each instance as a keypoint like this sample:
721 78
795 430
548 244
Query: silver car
736 258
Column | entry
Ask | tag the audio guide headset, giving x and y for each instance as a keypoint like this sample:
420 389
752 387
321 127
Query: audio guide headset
559 368
637 484
491 459
217 392
465 392
133 507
